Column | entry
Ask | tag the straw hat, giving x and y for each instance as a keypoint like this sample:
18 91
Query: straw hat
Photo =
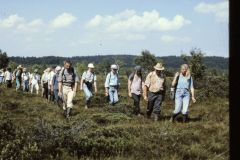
159 66
19 67
114 66
90 65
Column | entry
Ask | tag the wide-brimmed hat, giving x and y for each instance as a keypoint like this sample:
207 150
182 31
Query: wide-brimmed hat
114 66
19 67
90 65
159 66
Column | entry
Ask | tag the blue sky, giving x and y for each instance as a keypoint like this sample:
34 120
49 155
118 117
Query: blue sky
94 27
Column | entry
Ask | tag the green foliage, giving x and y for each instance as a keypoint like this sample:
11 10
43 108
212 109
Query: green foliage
146 60
195 62
4 60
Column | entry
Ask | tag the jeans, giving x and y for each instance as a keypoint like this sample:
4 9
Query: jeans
55 92
45 90
113 95
136 103
182 98
26 85
1 80
88 93
154 103
18 84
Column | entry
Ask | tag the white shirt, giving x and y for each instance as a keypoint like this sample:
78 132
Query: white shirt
34 78
8 76
25 76
50 77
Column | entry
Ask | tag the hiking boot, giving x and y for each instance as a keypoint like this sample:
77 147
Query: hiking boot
156 117
68 112
185 118
65 113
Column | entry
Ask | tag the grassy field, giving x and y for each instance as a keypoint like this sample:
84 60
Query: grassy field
32 128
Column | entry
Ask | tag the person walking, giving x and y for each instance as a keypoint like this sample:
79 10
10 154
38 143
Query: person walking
135 88
18 77
67 85
34 81
44 83
25 80
112 85
50 86
154 91
55 84
183 84
8 77
88 81
1 76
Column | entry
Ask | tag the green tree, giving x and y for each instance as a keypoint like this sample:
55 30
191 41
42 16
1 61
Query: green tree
4 60
195 61
146 60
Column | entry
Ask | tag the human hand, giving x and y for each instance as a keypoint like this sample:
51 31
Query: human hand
193 99
60 94
145 98
130 95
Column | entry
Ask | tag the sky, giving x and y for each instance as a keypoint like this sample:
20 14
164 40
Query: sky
102 27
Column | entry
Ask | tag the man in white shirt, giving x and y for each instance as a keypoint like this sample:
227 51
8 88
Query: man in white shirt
8 77
34 80
1 76
25 79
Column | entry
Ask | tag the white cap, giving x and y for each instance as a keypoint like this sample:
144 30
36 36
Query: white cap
58 68
90 65
114 66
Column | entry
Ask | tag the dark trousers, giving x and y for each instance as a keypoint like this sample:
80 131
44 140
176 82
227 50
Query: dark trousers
136 103
154 103
45 90
9 83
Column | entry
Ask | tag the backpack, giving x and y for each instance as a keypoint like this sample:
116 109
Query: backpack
73 75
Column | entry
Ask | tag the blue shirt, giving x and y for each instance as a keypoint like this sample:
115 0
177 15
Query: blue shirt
55 81
184 82
111 80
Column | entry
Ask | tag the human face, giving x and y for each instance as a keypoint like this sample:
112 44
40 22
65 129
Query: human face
67 65
91 69
158 72
184 70
114 71
138 73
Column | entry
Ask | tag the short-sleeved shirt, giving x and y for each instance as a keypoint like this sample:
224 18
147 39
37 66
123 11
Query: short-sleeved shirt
185 82
89 76
111 80
50 77
136 84
34 78
154 82
67 77
25 76
8 76
45 77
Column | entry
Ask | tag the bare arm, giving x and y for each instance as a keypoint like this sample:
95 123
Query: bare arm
81 84
75 87
60 87
175 79
95 86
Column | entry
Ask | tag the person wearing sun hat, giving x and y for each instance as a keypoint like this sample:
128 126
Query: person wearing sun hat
34 80
89 79
154 91
112 85
25 80
18 76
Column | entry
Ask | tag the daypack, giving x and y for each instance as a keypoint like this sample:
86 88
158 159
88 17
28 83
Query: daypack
110 78
73 75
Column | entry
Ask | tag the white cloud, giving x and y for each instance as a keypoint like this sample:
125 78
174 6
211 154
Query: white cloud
11 21
174 39
129 20
63 20
21 24
220 10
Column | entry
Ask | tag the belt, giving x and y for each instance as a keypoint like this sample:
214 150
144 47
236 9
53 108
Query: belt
158 92
114 86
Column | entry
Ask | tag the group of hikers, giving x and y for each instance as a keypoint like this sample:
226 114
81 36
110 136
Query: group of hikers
60 84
